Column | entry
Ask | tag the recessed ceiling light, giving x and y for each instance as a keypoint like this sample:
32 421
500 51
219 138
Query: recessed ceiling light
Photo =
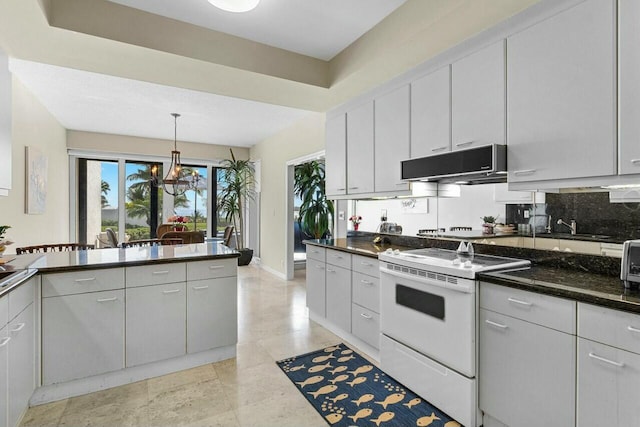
235 5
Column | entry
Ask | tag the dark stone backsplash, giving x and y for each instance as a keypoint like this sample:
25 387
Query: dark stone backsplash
594 214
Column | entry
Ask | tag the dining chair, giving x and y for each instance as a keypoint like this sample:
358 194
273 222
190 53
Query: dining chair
151 242
112 238
228 233
460 228
186 236
163 228
54 247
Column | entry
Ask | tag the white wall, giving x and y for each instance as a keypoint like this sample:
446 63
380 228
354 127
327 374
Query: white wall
305 137
34 126
474 202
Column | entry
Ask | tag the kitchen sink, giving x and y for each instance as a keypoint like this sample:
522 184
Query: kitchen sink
579 236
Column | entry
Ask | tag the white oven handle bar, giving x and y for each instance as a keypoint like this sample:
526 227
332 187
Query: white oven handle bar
467 286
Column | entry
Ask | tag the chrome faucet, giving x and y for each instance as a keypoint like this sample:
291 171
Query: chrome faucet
548 228
572 226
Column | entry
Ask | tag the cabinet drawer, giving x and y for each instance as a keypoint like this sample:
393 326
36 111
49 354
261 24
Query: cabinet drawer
612 327
212 269
366 291
156 274
4 311
365 324
316 252
365 265
339 259
545 310
79 282
21 297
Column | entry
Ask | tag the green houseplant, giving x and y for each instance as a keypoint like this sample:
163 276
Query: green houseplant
237 187
316 211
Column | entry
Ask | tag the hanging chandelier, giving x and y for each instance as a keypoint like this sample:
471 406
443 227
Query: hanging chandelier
175 181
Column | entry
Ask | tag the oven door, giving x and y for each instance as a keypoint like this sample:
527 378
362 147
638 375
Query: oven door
431 315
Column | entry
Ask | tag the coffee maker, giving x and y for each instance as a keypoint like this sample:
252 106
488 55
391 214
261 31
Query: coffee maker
630 271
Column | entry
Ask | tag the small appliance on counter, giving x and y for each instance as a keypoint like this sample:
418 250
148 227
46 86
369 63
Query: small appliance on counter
390 228
630 271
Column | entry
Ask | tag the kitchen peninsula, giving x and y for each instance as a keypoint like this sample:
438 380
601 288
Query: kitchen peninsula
91 320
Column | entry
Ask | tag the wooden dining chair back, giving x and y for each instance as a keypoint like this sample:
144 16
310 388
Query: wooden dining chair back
152 242
163 228
460 229
228 233
54 247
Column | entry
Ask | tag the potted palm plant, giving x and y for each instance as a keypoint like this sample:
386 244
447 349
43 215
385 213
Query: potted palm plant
316 211
238 186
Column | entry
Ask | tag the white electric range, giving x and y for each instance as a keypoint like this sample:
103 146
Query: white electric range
428 320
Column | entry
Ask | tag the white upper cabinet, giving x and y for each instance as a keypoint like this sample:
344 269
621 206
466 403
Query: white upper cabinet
336 156
5 124
391 139
561 95
360 152
478 98
629 86
431 114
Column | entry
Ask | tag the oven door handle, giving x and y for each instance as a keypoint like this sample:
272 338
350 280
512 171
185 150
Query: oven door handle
459 287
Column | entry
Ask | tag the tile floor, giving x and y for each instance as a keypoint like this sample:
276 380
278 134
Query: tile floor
249 390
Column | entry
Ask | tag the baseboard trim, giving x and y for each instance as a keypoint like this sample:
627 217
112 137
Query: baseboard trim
53 392
274 272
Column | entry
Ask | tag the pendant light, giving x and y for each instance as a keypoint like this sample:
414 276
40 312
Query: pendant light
235 5
175 182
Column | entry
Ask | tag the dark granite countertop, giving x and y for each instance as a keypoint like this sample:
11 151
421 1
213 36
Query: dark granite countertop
57 262
356 246
598 289
478 235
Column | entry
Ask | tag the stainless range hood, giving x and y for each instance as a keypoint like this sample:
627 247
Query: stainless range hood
481 165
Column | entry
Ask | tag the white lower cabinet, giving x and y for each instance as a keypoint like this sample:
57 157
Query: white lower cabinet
365 324
608 367
527 372
155 323
316 291
4 374
212 313
338 286
21 366
83 335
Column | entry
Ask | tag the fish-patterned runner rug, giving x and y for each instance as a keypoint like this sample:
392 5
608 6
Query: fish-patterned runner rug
347 390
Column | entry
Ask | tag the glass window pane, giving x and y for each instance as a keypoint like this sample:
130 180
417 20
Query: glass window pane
138 212
101 200
193 204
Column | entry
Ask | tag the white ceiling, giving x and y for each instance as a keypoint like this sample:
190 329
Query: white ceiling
317 28
93 102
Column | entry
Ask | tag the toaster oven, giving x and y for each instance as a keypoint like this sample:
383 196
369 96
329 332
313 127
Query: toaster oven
630 271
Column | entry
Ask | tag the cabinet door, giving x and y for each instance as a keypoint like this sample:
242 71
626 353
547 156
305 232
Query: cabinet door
336 156
527 372
155 323
82 335
5 123
212 313
608 385
478 98
4 390
339 296
629 86
21 364
562 115
391 139
360 157
316 293
431 114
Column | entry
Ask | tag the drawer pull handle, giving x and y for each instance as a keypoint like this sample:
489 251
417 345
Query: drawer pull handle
172 291
353 188
319 267
19 328
107 299
602 359
497 325
330 271
199 288
366 264
632 329
161 272
340 189
439 148
366 282
316 252
517 301
635 161
337 256
88 279
366 316
464 144
216 267
5 341
401 183
524 172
